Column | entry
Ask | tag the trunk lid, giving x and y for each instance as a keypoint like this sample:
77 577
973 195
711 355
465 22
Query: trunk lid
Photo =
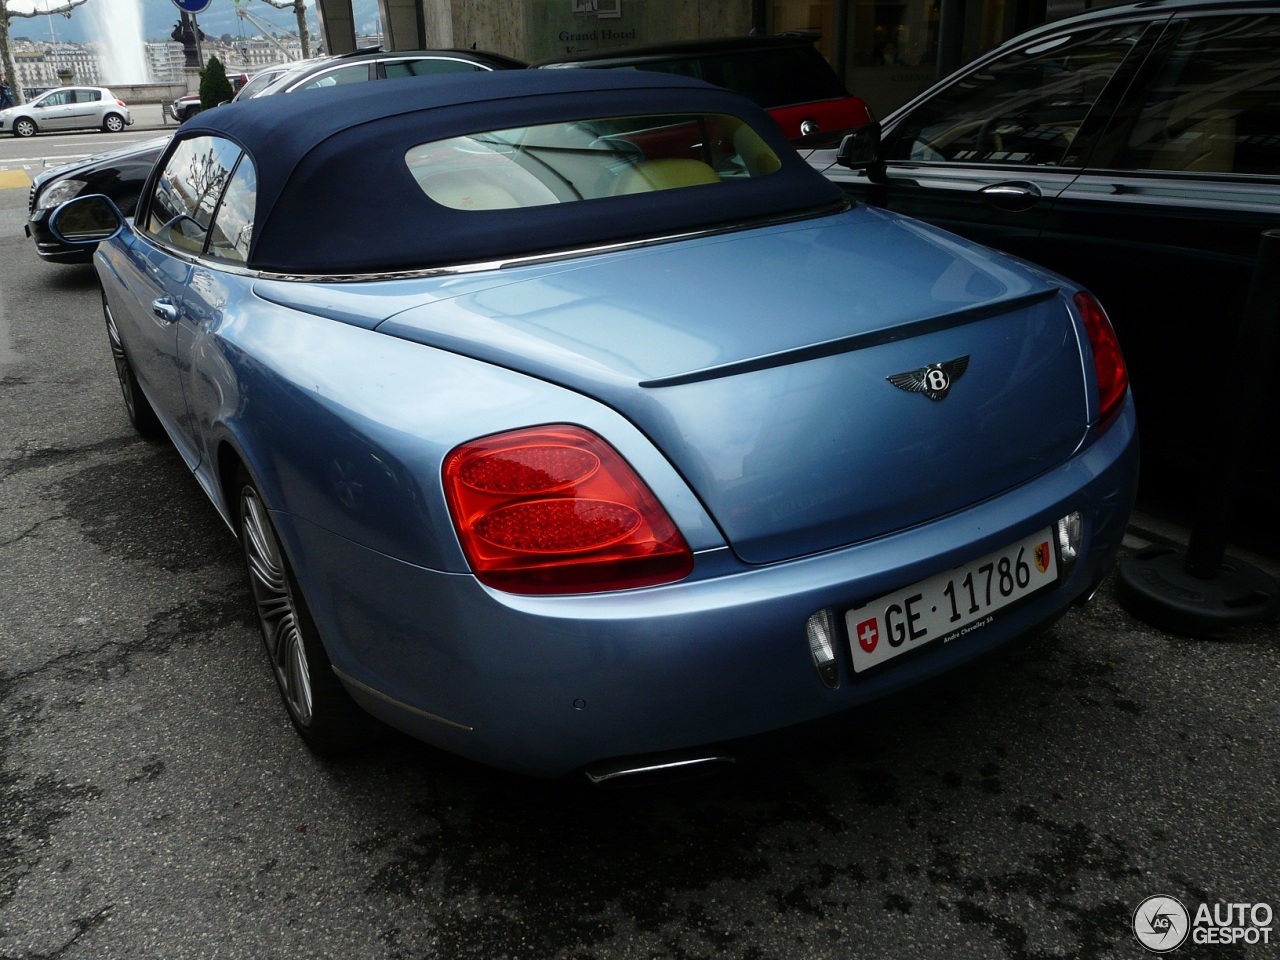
763 364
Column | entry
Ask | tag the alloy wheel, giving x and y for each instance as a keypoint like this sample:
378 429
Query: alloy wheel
276 609
124 373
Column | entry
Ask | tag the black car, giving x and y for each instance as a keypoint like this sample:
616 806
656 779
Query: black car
1134 149
785 74
118 174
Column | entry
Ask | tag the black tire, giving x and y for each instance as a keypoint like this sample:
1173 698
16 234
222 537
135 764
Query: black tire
24 127
141 414
113 123
322 712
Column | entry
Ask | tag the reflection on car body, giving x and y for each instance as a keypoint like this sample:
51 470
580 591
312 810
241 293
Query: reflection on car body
588 441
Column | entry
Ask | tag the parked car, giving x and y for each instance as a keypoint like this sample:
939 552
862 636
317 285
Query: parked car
188 105
358 65
118 174
785 74
376 64
259 81
185 107
246 88
1135 149
67 108
596 427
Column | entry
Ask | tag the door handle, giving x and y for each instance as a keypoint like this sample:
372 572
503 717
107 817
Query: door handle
165 309
1013 195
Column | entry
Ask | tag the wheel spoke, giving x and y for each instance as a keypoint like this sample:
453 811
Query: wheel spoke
298 677
283 637
272 608
123 373
261 550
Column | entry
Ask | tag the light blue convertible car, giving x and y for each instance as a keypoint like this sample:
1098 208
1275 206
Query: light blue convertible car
570 421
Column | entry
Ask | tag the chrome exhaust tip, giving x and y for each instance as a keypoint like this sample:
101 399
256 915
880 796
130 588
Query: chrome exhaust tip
638 771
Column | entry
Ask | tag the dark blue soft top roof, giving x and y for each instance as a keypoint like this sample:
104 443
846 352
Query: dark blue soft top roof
335 195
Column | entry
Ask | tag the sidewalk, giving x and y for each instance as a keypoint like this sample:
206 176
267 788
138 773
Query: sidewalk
151 116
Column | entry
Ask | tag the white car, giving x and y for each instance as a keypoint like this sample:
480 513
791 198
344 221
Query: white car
67 108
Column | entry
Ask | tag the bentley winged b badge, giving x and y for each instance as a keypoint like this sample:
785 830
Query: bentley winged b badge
934 381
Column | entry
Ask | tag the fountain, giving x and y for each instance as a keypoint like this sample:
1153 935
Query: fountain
122 53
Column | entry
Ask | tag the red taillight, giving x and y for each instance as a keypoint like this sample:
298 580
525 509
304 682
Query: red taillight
557 510
1108 361
119 101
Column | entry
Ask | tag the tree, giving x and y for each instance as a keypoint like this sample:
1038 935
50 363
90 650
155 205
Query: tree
7 66
215 88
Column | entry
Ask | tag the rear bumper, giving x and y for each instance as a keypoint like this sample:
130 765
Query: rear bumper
547 685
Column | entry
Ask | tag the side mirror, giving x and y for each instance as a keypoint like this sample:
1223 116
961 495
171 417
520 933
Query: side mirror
85 221
860 149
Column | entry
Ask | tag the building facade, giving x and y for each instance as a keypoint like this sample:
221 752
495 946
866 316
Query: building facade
45 64
887 50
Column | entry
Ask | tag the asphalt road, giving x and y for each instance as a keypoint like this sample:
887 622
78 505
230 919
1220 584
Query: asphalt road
154 802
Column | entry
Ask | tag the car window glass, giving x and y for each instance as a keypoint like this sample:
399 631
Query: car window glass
1214 104
232 229
431 67
354 73
775 78
56 99
1023 108
88 96
681 68
587 160
258 83
187 192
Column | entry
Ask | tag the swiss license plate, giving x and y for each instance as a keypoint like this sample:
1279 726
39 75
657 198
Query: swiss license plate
951 604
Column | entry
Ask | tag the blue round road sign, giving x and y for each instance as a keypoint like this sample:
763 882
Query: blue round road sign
192 6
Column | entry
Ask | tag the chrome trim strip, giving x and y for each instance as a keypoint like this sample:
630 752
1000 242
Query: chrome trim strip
481 267
400 703
613 774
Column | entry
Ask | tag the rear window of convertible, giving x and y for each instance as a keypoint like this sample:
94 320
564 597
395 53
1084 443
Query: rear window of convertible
588 160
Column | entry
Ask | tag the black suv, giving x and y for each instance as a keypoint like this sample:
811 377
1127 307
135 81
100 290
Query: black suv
1134 149
785 74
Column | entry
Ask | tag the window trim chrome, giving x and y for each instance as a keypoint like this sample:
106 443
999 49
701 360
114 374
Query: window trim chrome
485 266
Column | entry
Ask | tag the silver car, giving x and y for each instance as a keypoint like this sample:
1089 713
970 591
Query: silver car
67 108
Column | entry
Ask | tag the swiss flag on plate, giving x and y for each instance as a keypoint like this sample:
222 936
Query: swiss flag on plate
868 633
